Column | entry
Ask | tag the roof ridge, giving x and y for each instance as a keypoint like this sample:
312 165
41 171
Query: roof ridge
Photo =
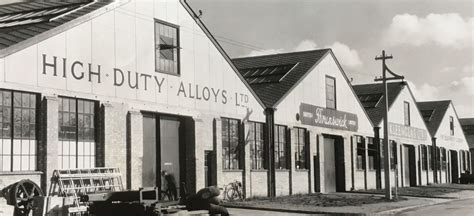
285 53
433 101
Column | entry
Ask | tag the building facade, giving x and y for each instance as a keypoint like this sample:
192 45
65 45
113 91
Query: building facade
467 125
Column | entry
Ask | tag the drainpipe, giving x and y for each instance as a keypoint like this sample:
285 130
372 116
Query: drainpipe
269 150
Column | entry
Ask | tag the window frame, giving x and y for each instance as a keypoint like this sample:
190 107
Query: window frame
12 135
178 47
305 146
239 147
277 162
451 125
406 113
334 93
361 152
253 147
77 139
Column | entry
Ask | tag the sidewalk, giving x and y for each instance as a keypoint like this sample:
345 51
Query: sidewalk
379 208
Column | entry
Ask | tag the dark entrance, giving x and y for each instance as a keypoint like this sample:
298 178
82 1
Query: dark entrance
454 166
335 180
167 142
209 168
409 165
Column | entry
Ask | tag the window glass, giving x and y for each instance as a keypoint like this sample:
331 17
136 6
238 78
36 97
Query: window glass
166 48
280 147
17 131
256 144
300 149
451 125
360 153
406 108
231 149
330 92
76 133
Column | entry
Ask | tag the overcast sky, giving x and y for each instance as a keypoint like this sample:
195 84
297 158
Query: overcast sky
431 41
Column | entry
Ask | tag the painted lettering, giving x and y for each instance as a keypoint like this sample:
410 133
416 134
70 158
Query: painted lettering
215 93
91 73
181 89
206 94
73 70
132 86
145 81
53 65
224 96
118 73
159 83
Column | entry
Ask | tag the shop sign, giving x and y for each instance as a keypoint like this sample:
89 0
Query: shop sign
451 139
327 118
88 72
400 130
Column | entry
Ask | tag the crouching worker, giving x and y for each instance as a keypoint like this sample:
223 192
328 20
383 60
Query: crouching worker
206 199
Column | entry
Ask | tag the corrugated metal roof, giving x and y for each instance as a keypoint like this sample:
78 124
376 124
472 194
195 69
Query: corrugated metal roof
271 92
376 111
24 20
437 110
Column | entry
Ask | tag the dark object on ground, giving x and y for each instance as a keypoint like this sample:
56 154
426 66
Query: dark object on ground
466 178
206 199
170 183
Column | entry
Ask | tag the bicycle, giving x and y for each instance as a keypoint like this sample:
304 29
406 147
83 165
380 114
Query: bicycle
233 191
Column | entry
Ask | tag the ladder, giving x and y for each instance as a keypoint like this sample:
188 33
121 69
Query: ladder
83 181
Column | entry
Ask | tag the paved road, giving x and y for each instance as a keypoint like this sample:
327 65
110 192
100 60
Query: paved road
247 212
463 207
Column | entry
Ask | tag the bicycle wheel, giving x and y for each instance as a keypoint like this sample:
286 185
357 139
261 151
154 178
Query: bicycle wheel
165 196
232 194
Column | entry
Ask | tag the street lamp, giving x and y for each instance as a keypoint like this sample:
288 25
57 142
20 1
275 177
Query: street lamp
386 148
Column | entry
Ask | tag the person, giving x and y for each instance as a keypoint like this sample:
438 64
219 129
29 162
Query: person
170 184
206 199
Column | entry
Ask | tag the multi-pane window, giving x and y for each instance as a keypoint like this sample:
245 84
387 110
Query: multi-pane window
372 152
76 133
393 155
166 47
406 113
231 150
360 153
256 144
430 159
437 158
330 92
424 157
300 149
451 125
443 158
17 131
280 147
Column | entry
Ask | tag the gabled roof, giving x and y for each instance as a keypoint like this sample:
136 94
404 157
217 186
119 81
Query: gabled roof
273 84
433 113
467 125
25 20
375 110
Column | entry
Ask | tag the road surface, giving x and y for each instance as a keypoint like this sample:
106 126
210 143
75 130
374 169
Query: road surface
463 207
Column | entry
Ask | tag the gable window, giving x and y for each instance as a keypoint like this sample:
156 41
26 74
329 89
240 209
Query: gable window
330 92
77 119
166 48
406 113
281 145
18 114
256 144
231 150
451 125
300 149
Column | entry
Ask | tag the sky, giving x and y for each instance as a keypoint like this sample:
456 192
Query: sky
431 41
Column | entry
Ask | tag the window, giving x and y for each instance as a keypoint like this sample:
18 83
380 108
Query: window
437 158
231 151
256 144
18 131
166 48
443 159
360 153
424 157
300 149
406 109
372 152
393 155
330 92
76 133
430 160
451 125
281 147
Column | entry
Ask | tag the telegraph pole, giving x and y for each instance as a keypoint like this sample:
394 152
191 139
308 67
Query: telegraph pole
386 147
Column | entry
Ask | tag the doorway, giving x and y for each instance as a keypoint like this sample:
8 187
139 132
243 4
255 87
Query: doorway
454 166
409 166
164 149
334 164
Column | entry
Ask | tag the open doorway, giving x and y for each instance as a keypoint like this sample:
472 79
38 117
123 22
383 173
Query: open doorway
165 148
454 166
409 165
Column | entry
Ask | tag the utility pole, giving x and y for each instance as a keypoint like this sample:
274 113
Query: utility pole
386 147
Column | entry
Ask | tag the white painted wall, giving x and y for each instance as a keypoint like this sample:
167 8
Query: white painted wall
123 38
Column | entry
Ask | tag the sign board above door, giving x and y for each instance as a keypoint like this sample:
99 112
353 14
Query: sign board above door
327 118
